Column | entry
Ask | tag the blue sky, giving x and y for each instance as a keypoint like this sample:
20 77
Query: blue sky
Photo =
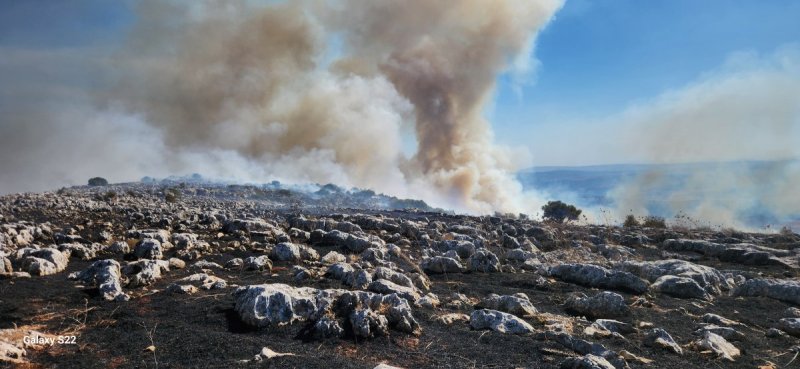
62 24
597 58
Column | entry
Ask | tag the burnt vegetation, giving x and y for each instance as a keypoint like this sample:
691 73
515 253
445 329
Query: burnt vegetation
321 276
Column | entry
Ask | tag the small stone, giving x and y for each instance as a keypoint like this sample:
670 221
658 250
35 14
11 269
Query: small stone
234 263
775 333
518 304
499 321
176 263
586 362
718 345
790 326
658 337
258 263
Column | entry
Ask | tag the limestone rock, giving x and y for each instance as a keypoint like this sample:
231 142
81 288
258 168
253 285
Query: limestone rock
586 362
499 321
258 263
107 276
658 337
144 272
333 257
602 305
682 287
783 290
518 304
483 261
596 276
718 345
367 324
387 287
441 264
708 278
43 261
148 248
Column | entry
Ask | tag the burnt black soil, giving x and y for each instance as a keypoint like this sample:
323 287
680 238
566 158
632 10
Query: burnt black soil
203 331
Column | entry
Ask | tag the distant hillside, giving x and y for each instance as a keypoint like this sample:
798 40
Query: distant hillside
590 186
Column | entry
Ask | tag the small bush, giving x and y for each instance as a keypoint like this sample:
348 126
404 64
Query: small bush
395 203
654 222
98 181
329 189
560 212
631 221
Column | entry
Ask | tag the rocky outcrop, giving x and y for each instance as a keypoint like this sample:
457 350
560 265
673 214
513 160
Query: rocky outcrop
386 287
716 344
280 304
106 276
148 248
499 321
586 362
483 261
602 305
144 272
351 242
518 304
42 261
742 253
441 264
658 337
783 290
682 287
258 263
596 276
367 323
705 277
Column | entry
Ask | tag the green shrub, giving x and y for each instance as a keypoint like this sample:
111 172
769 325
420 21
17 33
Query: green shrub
654 222
560 212
631 221
98 181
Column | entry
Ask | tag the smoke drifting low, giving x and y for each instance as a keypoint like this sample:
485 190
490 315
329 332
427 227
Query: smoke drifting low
747 110
298 91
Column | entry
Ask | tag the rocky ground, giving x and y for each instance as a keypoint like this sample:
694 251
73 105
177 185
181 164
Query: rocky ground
174 275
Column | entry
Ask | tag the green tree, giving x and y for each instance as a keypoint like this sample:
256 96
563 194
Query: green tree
560 212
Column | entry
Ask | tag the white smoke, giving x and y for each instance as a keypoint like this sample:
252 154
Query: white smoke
747 110
296 91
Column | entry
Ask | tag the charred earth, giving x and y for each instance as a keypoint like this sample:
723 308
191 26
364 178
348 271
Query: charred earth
183 274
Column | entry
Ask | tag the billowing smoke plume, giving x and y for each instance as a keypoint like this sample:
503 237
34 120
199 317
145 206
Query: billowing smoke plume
748 110
312 91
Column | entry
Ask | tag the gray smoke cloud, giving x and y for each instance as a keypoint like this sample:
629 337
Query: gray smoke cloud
299 91
747 110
